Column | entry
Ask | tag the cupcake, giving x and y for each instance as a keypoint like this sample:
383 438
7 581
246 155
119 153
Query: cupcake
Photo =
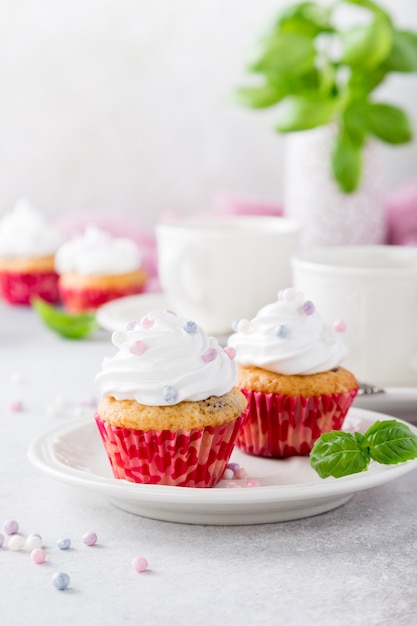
95 268
289 370
169 412
27 248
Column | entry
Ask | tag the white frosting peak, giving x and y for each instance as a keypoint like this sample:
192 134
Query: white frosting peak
25 232
288 337
165 359
96 252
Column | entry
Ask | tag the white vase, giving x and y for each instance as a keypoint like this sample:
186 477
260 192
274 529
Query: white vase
326 215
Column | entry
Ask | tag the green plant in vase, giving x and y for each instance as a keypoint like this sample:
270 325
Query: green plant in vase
318 73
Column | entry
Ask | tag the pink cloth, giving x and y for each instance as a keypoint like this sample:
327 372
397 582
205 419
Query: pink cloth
401 212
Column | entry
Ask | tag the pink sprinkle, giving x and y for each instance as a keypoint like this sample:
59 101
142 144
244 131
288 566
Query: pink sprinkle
240 473
252 482
130 325
90 539
137 347
16 406
231 352
38 556
146 322
209 355
140 564
339 326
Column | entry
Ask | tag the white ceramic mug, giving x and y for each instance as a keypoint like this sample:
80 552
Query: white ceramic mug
218 269
373 289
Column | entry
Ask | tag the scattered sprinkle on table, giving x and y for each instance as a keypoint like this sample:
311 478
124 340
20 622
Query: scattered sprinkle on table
90 539
38 556
64 544
10 527
60 581
140 564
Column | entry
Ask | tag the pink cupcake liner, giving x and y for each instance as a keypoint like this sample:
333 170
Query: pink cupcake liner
19 287
184 458
78 300
283 426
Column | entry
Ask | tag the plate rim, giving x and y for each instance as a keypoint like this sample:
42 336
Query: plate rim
41 454
104 312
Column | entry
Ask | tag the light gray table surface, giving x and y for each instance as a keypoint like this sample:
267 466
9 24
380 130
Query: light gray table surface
356 564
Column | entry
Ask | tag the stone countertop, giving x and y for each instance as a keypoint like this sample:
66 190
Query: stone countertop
353 565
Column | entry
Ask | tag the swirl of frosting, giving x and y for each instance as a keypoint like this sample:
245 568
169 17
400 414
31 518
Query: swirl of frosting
25 232
165 359
95 252
288 337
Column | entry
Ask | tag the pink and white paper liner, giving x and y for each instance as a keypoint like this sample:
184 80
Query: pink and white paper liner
284 426
184 458
79 300
20 287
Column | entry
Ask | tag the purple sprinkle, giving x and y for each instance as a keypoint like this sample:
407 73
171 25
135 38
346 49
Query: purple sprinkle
169 393
308 307
130 325
281 331
209 355
190 327
233 466
11 527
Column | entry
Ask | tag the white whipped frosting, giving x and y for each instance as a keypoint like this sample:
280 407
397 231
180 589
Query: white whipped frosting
96 252
165 359
288 337
25 232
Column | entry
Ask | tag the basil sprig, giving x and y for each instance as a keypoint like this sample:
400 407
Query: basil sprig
340 453
317 73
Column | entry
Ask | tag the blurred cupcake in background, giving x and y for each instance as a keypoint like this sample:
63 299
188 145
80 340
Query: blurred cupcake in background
28 243
169 412
289 370
95 267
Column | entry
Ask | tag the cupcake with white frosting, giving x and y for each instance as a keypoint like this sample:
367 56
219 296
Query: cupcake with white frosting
28 243
95 268
169 412
289 370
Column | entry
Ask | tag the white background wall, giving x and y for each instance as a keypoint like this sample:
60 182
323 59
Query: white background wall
126 105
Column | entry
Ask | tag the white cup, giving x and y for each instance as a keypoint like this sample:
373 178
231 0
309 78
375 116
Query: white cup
218 269
373 289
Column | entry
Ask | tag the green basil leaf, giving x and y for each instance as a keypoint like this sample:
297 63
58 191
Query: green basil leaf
355 121
339 454
389 123
305 112
285 53
260 97
307 18
368 45
403 55
391 442
346 162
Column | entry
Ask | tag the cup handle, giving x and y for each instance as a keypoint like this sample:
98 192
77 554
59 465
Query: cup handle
189 272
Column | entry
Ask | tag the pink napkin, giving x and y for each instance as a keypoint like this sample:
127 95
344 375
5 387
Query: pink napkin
401 212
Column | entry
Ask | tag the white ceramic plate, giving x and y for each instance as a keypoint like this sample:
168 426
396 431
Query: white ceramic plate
290 489
114 315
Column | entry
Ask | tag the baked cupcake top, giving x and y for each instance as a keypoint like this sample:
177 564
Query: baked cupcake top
288 337
164 359
25 232
96 252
